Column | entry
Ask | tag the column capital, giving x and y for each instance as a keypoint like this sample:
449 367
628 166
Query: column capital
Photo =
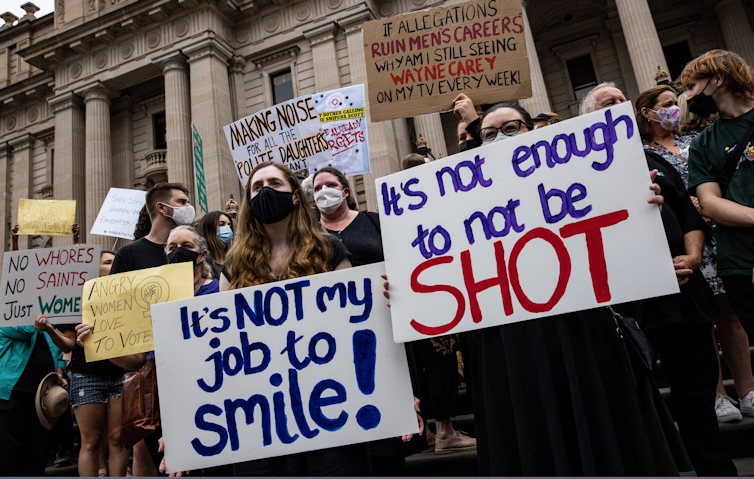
208 47
614 25
5 150
123 102
238 63
354 22
321 33
174 60
65 100
96 91
22 142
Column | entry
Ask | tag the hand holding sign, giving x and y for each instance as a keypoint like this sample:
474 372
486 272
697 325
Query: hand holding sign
118 308
46 217
281 368
554 212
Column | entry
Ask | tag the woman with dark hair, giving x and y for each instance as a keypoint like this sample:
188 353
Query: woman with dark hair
217 228
660 136
358 230
556 395
143 224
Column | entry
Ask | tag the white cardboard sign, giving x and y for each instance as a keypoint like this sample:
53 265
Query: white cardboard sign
48 281
287 367
548 222
343 116
119 213
289 133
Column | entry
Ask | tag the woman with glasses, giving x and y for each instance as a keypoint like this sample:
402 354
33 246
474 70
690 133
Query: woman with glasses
556 396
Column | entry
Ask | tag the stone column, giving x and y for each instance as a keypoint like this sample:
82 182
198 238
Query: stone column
210 111
123 143
402 138
624 59
642 41
178 122
383 153
5 195
736 28
99 156
539 101
237 91
324 57
430 127
70 169
22 179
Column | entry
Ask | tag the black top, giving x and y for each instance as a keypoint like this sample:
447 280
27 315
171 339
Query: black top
696 302
78 360
141 254
362 238
40 365
339 253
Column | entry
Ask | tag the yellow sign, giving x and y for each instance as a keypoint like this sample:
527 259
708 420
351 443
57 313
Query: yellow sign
46 217
118 307
347 114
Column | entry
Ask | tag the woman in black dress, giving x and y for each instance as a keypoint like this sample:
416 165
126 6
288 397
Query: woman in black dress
555 396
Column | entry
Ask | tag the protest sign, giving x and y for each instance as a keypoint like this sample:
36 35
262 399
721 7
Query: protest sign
419 62
117 306
277 369
46 281
549 222
343 117
289 133
119 213
46 217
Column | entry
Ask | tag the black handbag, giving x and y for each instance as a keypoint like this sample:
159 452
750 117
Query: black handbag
640 347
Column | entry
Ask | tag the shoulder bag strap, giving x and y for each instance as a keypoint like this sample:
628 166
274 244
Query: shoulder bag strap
732 157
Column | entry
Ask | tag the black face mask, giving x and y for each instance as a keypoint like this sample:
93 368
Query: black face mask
703 104
182 255
469 145
271 206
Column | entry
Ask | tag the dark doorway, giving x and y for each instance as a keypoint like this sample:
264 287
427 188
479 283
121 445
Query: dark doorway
677 56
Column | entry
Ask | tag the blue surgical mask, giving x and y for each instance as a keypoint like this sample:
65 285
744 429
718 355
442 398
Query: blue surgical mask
501 136
225 233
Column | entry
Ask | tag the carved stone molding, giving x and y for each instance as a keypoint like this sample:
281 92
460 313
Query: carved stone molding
321 33
354 22
560 49
260 61
208 47
65 100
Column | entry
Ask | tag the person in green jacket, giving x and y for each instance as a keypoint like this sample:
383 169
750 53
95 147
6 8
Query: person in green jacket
26 357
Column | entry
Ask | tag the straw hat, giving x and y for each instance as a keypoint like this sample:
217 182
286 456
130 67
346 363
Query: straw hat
51 400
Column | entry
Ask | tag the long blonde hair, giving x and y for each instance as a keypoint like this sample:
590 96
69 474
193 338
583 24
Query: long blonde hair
248 261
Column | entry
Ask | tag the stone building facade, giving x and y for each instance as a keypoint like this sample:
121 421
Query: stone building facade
101 93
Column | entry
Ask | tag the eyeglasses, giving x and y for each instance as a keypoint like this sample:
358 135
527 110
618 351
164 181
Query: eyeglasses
508 128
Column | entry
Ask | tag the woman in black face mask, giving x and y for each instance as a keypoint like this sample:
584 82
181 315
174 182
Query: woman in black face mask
278 238
186 245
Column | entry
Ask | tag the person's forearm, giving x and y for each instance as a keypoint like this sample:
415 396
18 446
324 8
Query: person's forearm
693 243
722 211
65 344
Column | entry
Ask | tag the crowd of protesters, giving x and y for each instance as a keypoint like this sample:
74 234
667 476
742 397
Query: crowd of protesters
551 396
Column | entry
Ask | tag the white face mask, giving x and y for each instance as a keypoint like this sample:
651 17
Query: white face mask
329 199
182 215
501 136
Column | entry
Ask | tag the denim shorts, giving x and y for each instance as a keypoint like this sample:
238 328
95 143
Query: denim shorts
87 388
